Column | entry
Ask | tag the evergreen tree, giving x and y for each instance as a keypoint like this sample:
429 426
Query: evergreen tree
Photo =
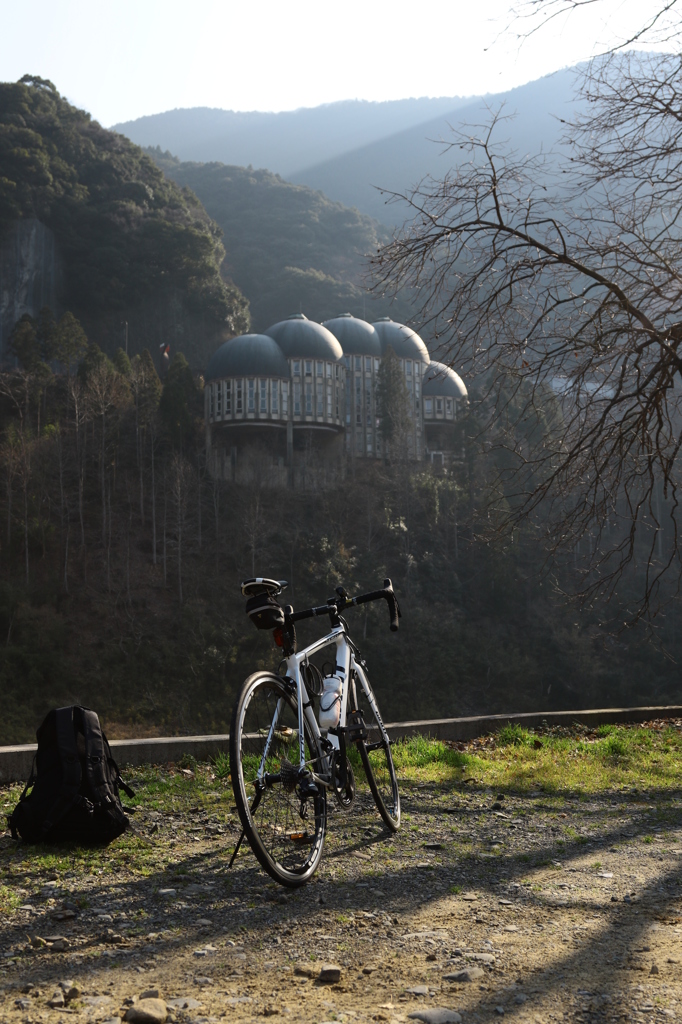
45 334
393 405
23 342
69 340
179 403
122 363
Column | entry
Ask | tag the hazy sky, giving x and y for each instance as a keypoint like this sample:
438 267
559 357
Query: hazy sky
126 58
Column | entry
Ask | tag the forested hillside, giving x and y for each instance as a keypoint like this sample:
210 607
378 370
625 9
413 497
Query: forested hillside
135 247
288 248
120 563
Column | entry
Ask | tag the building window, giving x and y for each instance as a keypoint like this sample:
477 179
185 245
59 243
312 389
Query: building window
320 369
251 407
219 403
320 397
297 367
329 401
347 400
308 367
358 401
308 398
408 367
338 368
369 445
297 399
329 369
274 397
285 398
368 364
376 365
240 402
346 360
263 404
228 397
358 362
439 407
358 442
428 407
416 369
448 408
368 402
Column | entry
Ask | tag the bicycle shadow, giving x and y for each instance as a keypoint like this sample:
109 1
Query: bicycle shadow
409 890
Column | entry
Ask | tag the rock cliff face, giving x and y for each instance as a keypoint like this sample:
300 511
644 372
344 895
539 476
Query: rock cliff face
29 275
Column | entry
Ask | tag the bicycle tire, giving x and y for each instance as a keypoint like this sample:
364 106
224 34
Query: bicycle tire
272 822
377 759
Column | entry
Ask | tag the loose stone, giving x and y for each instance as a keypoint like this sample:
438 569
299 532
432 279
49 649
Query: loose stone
147 1011
483 958
330 974
182 1003
436 1015
468 974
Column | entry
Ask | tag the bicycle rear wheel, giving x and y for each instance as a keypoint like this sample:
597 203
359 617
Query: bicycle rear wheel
375 753
284 823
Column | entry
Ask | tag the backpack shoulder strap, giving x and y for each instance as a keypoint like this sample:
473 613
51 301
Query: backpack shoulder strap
71 768
116 771
96 762
12 818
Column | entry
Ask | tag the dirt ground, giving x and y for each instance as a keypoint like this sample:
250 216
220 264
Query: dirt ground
553 907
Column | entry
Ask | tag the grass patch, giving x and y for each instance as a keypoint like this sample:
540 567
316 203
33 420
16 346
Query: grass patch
613 758
514 735
419 752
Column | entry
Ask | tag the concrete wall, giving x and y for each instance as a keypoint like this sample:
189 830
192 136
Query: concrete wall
15 762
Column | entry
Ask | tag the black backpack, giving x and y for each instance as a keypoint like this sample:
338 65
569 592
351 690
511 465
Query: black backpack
73 786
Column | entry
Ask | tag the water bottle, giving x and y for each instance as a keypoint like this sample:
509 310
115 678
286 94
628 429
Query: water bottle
330 702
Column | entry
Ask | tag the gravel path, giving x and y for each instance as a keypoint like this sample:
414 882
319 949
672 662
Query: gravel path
538 908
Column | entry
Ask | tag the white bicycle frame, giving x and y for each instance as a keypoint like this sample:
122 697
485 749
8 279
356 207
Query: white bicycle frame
346 667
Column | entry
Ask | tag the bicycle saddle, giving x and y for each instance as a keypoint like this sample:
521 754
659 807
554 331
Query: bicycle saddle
259 585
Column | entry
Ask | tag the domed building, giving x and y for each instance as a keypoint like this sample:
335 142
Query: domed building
445 401
316 366
414 360
362 355
279 405
246 388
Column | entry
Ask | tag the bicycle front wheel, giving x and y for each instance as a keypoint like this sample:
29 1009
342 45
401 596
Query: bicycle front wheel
284 817
375 753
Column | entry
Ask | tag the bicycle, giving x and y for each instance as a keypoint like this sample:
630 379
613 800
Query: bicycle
283 761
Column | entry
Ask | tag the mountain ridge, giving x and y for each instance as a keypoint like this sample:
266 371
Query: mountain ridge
392 159
283 142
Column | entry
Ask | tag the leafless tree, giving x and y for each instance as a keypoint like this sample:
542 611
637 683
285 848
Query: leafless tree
105 390
659 24
558 284
182 483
